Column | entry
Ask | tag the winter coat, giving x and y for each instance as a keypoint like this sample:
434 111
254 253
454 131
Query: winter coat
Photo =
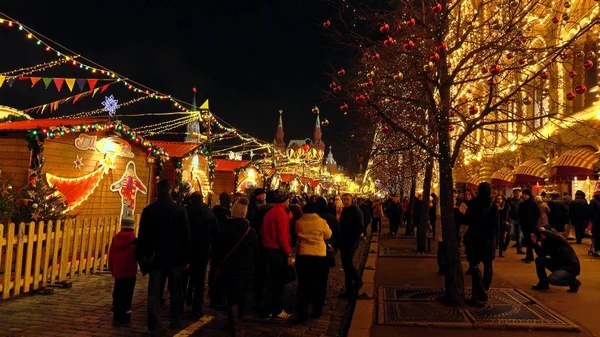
351 226
275 230
394 212
222 213
334 225
544 213
514 204
164 234
238 270
579 211
561 254
312 231
122 260
378 209
559 215
417 211
481 239
595 210
528 215
366 214
204 227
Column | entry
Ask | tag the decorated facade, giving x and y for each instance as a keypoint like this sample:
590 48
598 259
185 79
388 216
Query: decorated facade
100 167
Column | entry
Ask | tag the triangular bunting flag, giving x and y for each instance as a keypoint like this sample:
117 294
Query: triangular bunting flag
56 105
204 106
34 80
95 91
44 107
70 83
47 81
81 83
59 82
77 97
2 78
11 81
92 83
104 87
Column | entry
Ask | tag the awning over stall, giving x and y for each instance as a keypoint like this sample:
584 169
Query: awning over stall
531 172
578 163
503 178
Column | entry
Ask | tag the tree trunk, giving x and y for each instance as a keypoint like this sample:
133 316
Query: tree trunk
424 221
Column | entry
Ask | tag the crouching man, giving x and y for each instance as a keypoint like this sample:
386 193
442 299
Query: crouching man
556 255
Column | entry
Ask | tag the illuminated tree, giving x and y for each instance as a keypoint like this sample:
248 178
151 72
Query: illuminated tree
457 77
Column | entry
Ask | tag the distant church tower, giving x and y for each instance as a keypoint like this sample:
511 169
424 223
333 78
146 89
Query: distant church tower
279 142
192 134
330 162
317 134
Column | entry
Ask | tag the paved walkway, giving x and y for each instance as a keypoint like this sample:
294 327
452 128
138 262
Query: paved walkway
85 310
509 272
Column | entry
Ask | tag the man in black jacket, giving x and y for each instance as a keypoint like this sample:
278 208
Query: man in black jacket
595 216
556 255
579 214
528 216
394 213
351 227
332 222
559 214
513 218
165 241
204 228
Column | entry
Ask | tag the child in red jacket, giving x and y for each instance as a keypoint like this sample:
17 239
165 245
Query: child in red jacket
123 265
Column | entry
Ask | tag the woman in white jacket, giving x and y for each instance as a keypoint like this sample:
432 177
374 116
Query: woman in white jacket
311 262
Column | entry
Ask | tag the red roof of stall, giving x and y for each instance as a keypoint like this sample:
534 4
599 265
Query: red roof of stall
47 123
230 165
176 149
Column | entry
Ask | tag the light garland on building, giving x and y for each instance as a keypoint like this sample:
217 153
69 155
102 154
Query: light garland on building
77 199
86 114
33 69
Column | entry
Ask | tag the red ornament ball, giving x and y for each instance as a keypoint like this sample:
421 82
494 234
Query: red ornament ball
337 89
375 57
305 147
510 56
571 96
572 74
388 42
384 28
369 84
441 46
495 69
436 8
523 61
344 107
473 110
326 24
361 98
545 75
408 45
341 72
588 64
434 58
580 89
411 23
556 19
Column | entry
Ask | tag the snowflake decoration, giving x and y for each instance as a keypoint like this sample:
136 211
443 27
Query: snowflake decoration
78 163
110 105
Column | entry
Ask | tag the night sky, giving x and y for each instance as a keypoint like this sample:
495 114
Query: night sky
250 58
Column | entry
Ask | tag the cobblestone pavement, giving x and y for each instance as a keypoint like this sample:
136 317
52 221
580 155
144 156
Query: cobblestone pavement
85 310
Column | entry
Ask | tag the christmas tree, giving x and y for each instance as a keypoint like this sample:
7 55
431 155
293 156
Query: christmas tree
37 201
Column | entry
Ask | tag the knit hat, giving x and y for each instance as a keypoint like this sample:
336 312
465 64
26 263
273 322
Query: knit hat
240 208
127 223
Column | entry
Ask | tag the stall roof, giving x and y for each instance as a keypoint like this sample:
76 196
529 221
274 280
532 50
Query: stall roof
230 165
176 149
47 123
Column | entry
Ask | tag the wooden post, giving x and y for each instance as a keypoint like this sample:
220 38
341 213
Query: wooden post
56 247
88 264
37 266
10 243
84 228
75 250
29 256
99 234
47 245
19 260
65 251
105 229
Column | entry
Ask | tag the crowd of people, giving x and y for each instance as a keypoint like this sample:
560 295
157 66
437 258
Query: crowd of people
539 224
248 245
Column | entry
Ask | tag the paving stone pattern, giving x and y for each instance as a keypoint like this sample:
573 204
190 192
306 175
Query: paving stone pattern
506 308
85 310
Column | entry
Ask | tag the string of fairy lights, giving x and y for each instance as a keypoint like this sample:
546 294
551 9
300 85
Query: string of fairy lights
66 55
33 69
